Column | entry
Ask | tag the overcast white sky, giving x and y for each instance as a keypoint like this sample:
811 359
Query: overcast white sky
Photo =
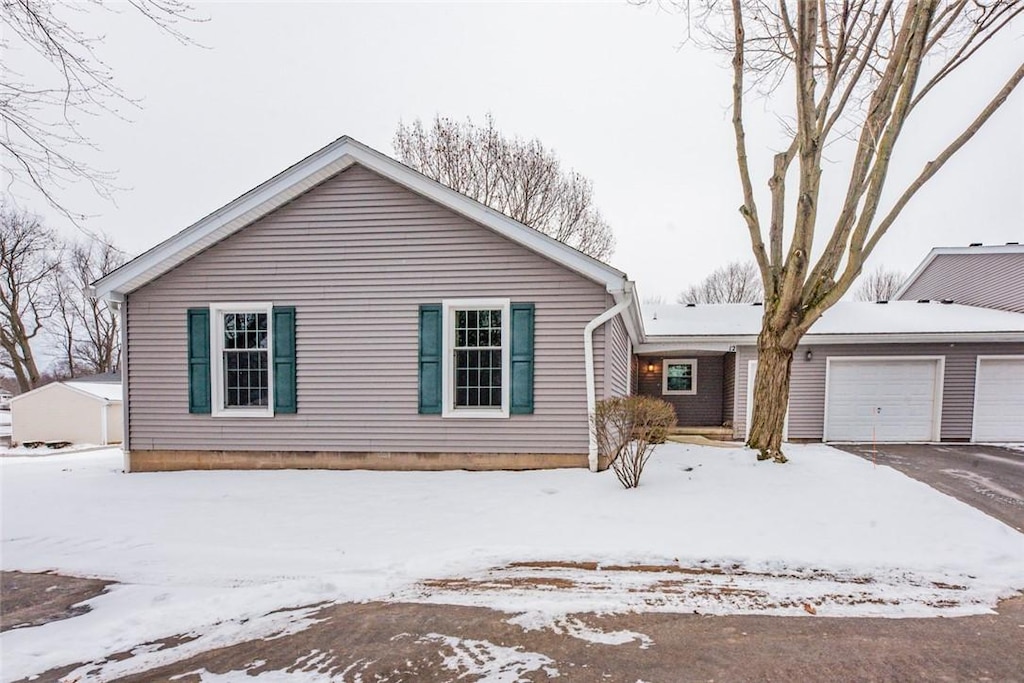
606 85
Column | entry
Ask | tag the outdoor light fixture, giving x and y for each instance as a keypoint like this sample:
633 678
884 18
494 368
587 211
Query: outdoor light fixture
809 355
651 367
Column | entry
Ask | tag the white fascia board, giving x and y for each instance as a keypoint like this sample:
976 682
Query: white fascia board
224 221
914 338
313 170
613 279
916 274
718 343
709 343
52 385
631 316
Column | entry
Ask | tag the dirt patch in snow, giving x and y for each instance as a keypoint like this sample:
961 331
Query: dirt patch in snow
33 599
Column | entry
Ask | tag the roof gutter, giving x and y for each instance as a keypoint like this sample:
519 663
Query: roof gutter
588 352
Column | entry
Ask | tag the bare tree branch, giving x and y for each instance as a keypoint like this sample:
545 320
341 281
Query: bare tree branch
520 178
738 282
859 69
41 139
881 284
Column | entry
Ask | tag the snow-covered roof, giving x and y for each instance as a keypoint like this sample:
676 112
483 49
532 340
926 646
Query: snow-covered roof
105 390
845 318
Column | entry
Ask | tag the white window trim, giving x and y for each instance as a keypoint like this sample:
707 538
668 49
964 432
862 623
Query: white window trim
692 362
217 313
449 306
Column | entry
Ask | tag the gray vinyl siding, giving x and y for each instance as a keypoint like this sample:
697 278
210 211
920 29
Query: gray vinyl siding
807 388
619 354
357 256
728 387
702 409
989 280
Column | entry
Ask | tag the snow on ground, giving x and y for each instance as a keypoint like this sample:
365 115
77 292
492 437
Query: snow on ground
44 450
213 554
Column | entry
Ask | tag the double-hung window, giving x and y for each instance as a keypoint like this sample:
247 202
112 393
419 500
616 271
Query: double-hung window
476 367
241 342
679 376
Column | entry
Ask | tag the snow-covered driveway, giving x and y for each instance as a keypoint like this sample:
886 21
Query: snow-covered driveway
212 553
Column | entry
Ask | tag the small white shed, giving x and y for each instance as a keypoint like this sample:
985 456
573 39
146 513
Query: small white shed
79 412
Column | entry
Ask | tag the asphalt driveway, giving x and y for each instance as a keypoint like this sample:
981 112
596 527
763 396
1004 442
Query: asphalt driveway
986 477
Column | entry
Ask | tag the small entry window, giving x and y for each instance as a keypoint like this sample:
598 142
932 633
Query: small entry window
679 376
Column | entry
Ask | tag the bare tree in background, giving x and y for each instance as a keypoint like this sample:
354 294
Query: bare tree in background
88 328
859 70
880 285
41 139
520 178
29 259
738 282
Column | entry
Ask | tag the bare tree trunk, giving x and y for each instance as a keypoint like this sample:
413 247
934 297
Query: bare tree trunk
771 395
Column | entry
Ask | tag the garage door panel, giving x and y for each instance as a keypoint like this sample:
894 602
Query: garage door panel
884 400
999 400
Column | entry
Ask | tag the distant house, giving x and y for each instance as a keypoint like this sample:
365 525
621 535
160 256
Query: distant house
76 411
352 313
991 276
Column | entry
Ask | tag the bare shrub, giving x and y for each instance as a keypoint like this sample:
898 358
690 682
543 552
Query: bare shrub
627 429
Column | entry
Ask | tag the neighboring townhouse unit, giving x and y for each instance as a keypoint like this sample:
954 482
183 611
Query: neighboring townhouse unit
979 275
896 371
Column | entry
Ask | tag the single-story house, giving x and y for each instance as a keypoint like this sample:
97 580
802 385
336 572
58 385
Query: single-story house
77 411
896 371
352 313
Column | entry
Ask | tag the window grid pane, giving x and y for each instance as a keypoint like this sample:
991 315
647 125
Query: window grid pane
680 377
478 358
246 361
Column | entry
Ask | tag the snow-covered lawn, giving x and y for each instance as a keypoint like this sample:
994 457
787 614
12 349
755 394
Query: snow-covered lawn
215 553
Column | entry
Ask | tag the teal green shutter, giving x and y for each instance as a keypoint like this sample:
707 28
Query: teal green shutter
522 359
199 360
430 359
285 399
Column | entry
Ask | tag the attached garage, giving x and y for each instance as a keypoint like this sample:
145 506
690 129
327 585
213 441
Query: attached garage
999 399
883 399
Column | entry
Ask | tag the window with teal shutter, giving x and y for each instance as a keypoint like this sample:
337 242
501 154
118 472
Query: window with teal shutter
522 359
285 394
430 359
199 361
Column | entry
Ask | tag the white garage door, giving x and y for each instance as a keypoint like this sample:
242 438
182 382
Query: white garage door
999 400
891 400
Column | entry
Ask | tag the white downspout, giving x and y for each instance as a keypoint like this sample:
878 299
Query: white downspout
588 353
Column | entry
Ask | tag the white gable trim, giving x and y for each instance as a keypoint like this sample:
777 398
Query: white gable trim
313 170
53 385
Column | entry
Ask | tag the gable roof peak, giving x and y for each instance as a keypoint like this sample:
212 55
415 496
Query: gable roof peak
322 164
